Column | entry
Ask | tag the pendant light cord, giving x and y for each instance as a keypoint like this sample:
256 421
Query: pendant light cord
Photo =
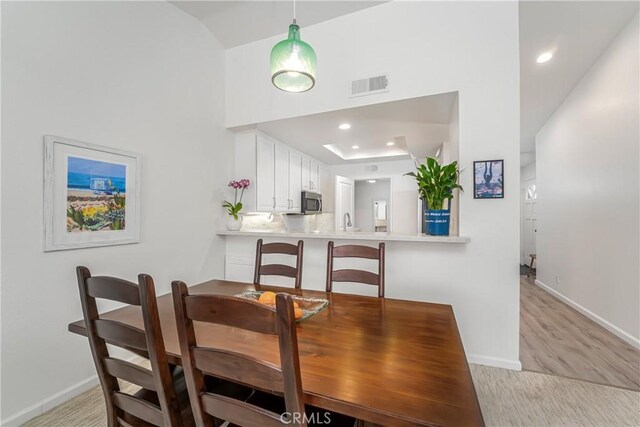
294 11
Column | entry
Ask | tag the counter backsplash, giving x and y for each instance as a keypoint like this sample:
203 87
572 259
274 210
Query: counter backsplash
291 223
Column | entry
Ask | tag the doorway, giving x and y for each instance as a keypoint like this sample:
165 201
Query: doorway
529 225
372 205
345 191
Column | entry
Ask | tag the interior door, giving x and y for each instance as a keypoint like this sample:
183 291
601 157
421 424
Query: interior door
295 181
281 190
530 227
265 174
344 203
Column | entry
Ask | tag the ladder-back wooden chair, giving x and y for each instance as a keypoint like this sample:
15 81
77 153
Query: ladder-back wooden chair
157 402
279 269
262 409
351 275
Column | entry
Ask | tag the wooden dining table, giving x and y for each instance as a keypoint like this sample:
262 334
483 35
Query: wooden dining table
385 361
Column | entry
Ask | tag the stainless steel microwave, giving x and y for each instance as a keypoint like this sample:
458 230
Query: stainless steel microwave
311 203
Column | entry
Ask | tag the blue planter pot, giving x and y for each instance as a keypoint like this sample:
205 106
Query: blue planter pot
437 222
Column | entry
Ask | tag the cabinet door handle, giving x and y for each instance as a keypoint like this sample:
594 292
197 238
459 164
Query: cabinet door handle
274 203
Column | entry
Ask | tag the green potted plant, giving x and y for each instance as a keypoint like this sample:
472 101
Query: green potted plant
436 183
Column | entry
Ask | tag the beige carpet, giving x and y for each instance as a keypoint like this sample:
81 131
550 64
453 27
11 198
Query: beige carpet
507 398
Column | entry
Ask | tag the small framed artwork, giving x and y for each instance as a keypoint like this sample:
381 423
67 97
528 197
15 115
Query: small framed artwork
488 179
91 195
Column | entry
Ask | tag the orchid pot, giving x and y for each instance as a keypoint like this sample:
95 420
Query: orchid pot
234 222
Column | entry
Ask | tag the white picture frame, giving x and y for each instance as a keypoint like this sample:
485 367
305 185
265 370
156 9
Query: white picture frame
91 195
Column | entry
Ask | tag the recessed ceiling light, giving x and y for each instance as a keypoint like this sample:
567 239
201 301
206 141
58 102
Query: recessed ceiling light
390 143
544 57
371 181
344 126
355 147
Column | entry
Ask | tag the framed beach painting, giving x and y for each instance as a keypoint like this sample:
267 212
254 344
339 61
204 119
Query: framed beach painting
488 179
91 195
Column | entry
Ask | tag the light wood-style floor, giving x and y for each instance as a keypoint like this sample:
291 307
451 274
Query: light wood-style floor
555 339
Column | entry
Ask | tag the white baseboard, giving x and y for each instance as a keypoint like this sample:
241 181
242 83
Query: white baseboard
496 362
591 315
56 399
50 402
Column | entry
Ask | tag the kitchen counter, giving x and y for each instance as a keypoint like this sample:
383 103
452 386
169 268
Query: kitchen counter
348 235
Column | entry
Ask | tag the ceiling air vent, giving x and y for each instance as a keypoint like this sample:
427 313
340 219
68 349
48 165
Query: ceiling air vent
370 86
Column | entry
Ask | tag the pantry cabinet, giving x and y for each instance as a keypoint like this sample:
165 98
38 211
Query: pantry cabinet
265 174
278 173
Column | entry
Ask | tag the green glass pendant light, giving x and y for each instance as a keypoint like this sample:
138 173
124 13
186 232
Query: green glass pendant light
293 62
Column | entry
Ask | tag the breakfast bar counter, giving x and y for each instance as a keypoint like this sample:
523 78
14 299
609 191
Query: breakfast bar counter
349 235
417 268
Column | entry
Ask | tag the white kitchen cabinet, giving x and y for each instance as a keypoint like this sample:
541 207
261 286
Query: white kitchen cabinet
310 174
239 269
305 173
281 190
278 173
295 181
265 174
314 176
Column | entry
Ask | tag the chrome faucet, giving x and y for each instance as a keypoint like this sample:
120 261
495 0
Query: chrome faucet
346 221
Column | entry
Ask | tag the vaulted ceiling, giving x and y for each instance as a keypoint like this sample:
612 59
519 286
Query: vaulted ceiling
235 23
577 32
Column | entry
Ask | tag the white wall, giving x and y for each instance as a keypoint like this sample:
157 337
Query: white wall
528 172
588 198
365 194
451 150
140 76
327 189
427 48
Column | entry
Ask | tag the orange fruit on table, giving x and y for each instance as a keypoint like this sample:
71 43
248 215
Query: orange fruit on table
267 297
298 312
295 305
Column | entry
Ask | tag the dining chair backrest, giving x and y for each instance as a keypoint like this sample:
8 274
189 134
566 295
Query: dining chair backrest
351 275
147 343
279 269
199 361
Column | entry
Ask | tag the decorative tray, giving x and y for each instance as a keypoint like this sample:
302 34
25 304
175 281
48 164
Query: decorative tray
308 305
